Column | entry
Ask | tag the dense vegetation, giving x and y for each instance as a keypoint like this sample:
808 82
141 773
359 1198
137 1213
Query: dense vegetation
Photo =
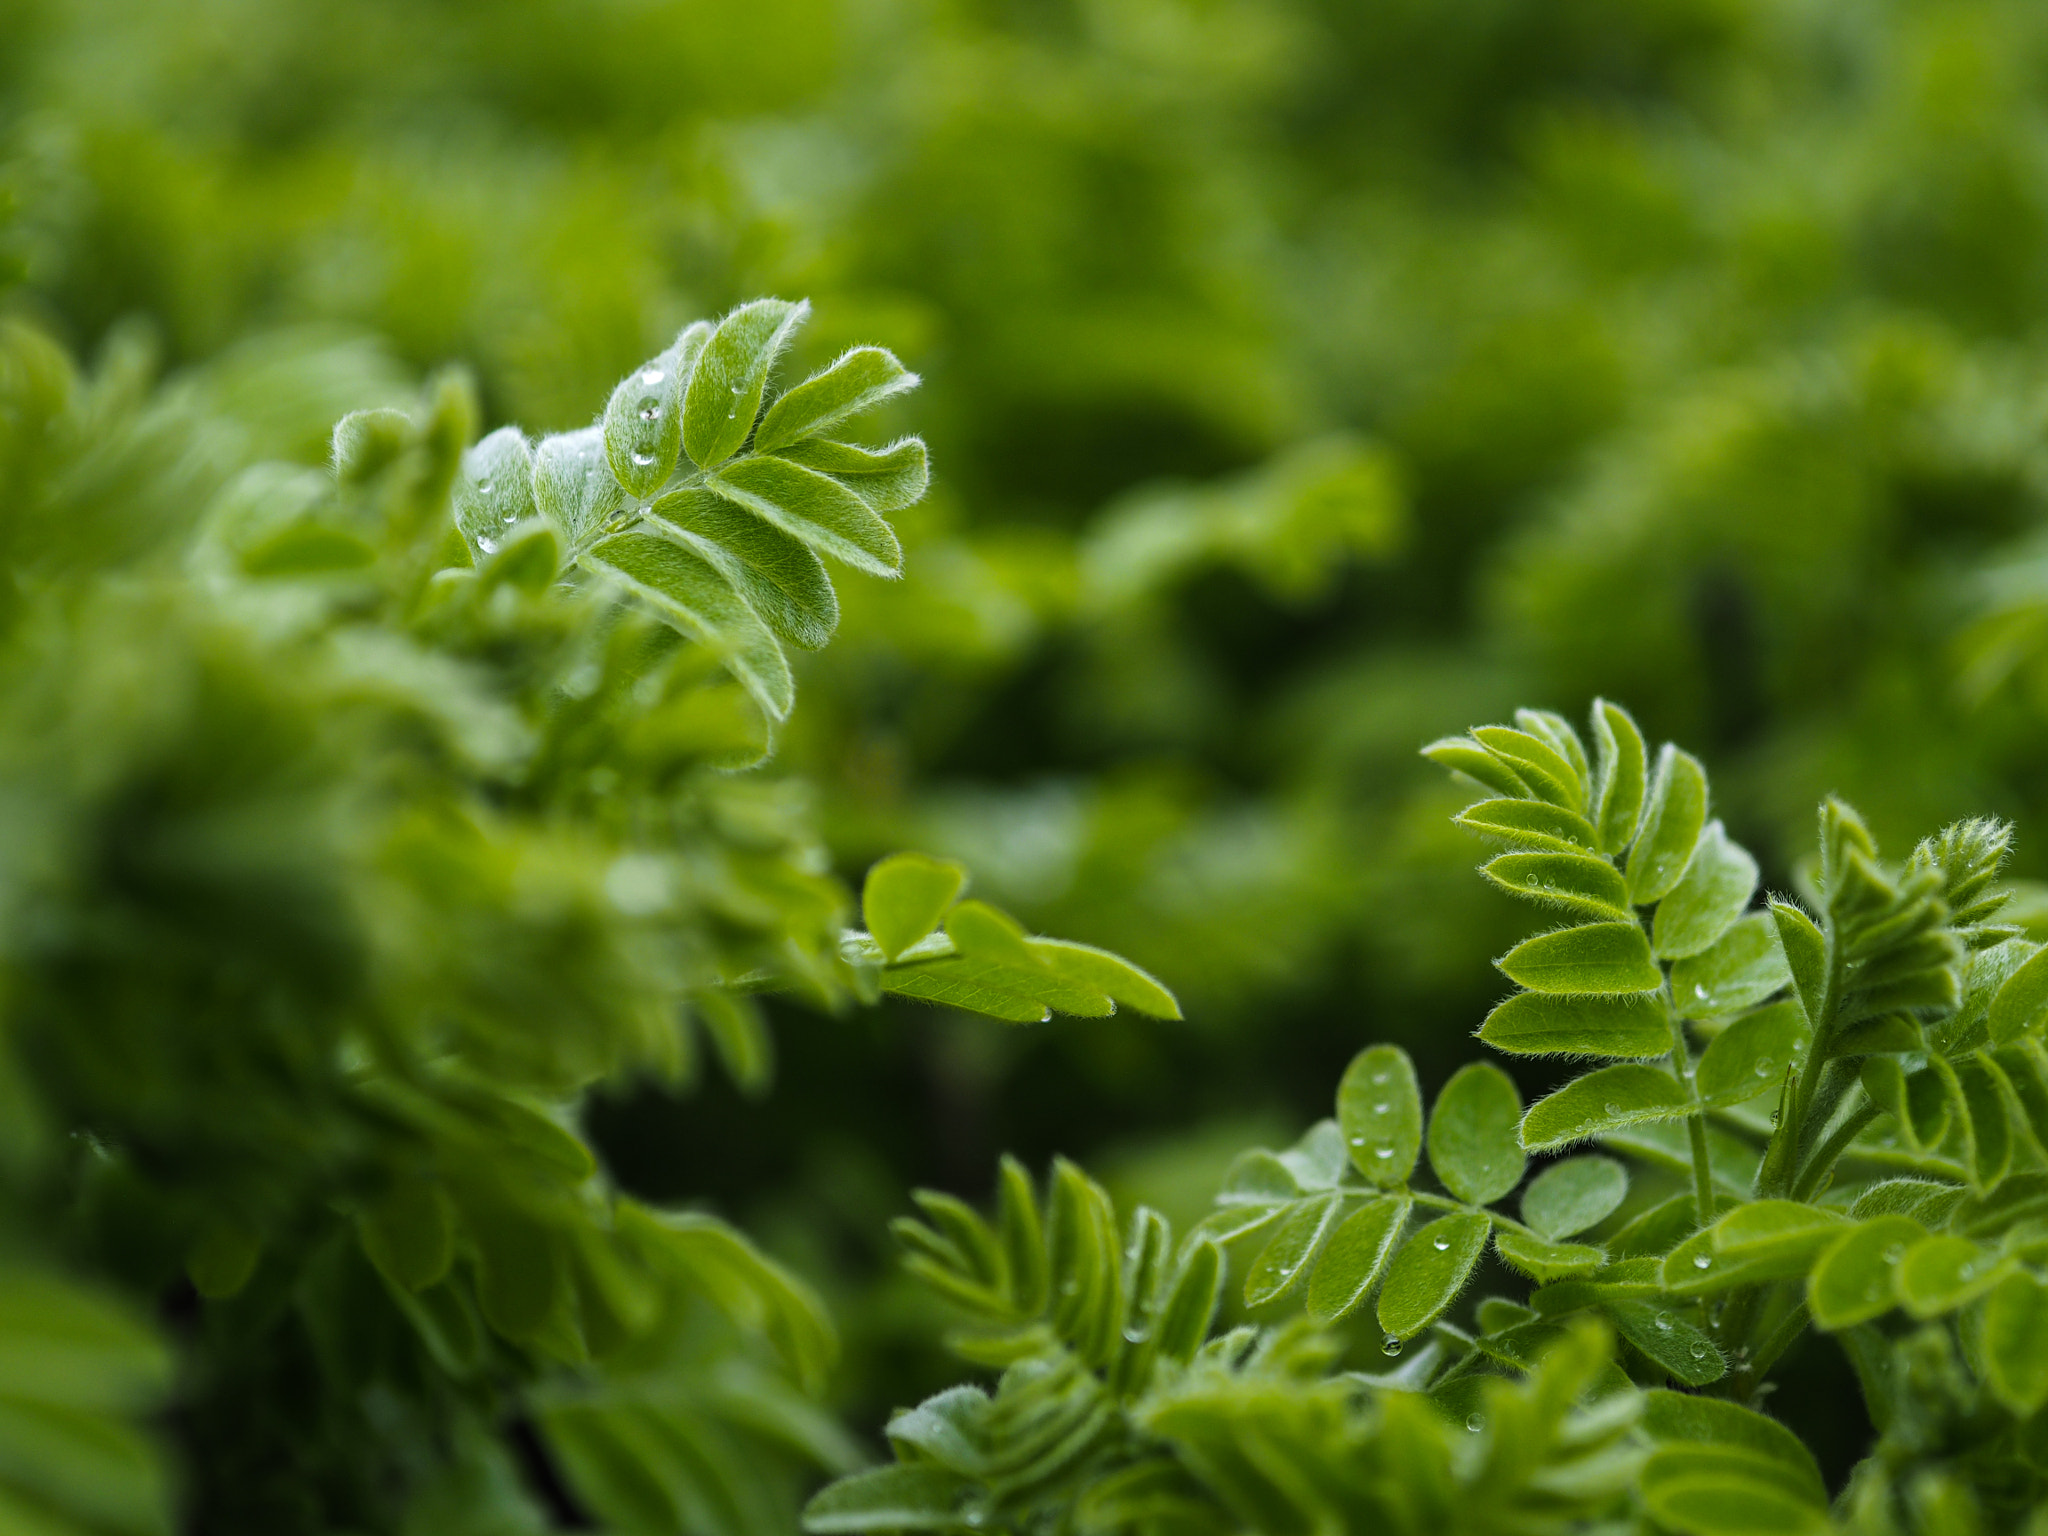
1304 381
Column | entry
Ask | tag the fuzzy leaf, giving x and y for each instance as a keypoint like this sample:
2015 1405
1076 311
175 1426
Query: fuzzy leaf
1289 1255
1739 970
1621 778
1578 882
1529 824
1568 1197
1667 1338
1939 1274
1429 1271
1191 1304
1110 974
913 1497
858 381
887 479
2022 1000
573 485
1625 1094
1544 1261
1472 1143
1598 958
1354 1256
1536 763
1990 1125
1854 1280
1379 1109
1673 815
1708 898
781 580
1726 1490
2015 1342
1463 755
905 896
643 420
691 594
1750 1055
1547 1024
1806 956
493 490
724 389
813 508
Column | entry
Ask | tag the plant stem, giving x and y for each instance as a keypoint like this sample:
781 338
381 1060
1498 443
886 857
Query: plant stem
1818 1166
1696 1122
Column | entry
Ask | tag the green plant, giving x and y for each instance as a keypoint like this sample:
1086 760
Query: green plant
1850 1088
360 826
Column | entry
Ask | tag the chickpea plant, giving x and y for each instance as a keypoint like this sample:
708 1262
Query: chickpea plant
1848 1088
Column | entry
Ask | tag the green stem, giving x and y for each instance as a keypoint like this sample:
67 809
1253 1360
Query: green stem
1696 1122
1815 1172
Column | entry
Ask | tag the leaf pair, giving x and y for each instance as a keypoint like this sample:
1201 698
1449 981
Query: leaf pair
982 959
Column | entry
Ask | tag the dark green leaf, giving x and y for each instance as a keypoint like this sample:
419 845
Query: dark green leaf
1379 1109
1709 897
1599 958
1578 882
1429 1271
1624 1094
1750 1056
1568 1197
1674 813
1547 1024
1184 1319
1984 1098
408 1234
813 508
1472 1142
1621 779
858 381
1353 1257
724 389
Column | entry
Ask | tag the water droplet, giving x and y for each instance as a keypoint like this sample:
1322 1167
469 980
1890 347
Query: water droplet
1701 1261
643 459
1135 1335
488 545
1613 1108
1763 1068
1663 1322
735 389
974 1517
1391 1344
1774 1116
1383 1153
652 376
483 488
650 409
1381 1108
1358 1141
1699 991
1967 1272
1379 1077
730 414
1475 1422
1699 1351
1443 1245
1894 1253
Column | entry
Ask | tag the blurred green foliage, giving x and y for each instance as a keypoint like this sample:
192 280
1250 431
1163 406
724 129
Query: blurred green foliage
1305 380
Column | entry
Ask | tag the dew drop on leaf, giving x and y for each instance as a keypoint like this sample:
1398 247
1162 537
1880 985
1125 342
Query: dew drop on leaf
1763 1068
1613 1108
1380 1108
1383 1153
488 545
652 376
1701 1261
1475 1422
1894 1253
1443 1245
1663 1322
1379 1077
1699 991
1391 1344
643 459
1699 1351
